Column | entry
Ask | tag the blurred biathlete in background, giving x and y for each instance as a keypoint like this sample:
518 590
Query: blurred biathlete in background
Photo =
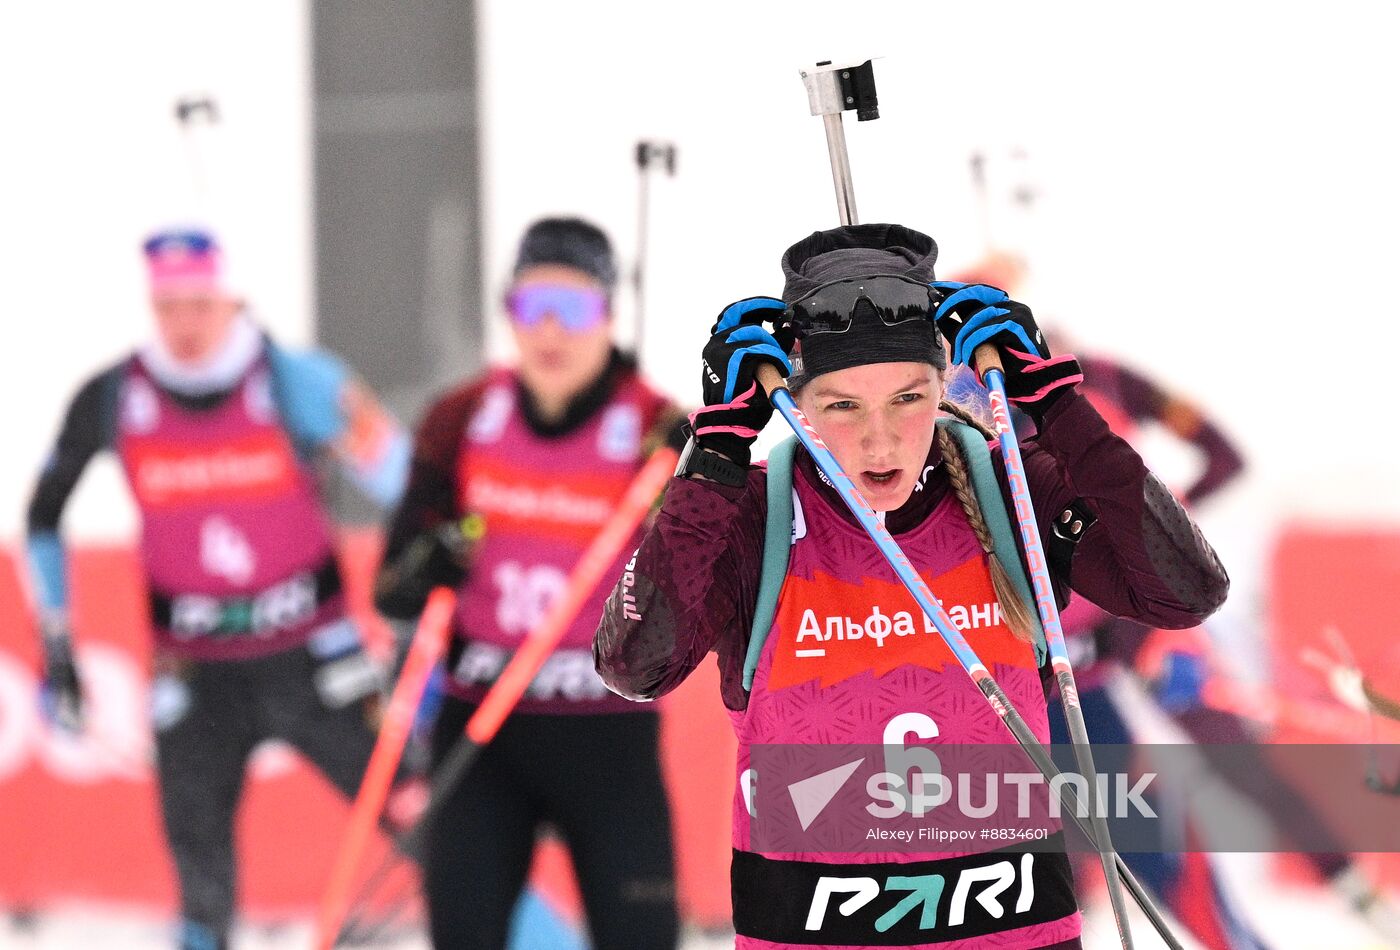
513 474
1175 666
868 372
225 438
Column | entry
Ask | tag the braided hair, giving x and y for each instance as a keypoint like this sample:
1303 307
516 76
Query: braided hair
1017 615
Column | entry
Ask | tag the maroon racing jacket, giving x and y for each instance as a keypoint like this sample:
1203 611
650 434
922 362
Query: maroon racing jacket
693 585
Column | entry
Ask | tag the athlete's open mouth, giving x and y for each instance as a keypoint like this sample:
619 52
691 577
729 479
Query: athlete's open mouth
881 478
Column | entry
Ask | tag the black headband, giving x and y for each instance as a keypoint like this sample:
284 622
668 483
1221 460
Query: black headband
861 250
867 341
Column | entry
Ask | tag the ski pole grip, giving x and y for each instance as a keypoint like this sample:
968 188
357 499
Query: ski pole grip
770 379
985 358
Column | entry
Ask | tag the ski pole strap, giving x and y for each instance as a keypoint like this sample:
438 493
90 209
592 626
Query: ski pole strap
993 504
777 550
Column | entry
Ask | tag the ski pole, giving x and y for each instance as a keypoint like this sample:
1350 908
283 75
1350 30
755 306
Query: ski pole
990 370
192 112
978 165
395 910
647 153
600 555
426 648
1022 196
782 400
832 90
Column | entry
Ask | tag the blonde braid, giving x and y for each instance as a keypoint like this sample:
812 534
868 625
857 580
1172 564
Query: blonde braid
1013 608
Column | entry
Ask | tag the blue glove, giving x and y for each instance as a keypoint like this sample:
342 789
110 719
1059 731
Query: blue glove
1181 682
970 315
736 407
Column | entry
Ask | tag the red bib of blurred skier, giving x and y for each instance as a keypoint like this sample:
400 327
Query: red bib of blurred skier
236 547
542 501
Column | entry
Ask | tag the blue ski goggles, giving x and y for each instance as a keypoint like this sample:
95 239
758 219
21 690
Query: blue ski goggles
576 308
831 307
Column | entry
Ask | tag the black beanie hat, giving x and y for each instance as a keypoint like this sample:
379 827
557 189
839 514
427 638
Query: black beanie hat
572 242
861 250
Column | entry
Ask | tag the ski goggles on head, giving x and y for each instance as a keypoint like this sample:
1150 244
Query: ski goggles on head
831 307
576 308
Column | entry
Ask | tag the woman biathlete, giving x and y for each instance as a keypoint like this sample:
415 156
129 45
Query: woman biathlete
862 324
533 460
226 438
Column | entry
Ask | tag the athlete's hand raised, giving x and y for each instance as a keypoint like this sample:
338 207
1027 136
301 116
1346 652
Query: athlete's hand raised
736 407
971 315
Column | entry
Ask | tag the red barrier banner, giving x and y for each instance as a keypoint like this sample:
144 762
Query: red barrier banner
80 818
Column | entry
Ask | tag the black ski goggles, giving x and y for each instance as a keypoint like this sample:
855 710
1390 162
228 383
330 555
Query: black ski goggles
831 307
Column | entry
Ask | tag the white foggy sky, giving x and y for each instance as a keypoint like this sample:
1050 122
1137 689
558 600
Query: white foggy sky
1218 186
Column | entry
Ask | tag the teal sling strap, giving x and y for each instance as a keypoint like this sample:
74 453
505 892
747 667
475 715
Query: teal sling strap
777 550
